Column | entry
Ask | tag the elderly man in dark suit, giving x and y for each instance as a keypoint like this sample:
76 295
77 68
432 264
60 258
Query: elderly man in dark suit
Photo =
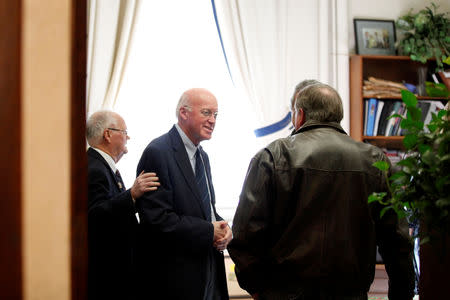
183 235
111 213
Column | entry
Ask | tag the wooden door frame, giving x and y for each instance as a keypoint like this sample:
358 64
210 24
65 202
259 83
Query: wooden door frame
10 151
11 230
78 163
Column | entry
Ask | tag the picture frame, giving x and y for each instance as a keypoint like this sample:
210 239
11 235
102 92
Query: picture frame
374 37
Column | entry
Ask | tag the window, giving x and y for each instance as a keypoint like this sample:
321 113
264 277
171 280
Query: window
176 47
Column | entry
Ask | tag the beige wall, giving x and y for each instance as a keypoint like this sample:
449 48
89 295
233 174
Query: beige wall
46 145
385 10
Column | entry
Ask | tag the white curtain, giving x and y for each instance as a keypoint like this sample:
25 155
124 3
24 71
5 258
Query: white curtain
271 45
110 29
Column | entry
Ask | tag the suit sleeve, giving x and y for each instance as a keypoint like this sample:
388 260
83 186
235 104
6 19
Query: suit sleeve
395 247
250 247
102 199
105 211
157 209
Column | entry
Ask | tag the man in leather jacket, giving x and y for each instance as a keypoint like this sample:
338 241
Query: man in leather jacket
303 228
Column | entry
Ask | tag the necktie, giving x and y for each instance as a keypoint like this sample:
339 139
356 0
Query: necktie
120 181
200 178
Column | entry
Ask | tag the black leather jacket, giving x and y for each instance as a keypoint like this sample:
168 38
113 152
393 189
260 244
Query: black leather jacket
303 218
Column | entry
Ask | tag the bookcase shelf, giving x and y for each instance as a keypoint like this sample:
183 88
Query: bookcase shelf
399 98
390 142
393 68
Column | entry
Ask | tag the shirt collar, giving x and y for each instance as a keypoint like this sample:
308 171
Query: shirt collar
188 144
108 159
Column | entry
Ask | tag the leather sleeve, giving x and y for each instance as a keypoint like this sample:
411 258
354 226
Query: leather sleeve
250 247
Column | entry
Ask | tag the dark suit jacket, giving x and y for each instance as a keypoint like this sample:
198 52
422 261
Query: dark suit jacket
177 238
111 233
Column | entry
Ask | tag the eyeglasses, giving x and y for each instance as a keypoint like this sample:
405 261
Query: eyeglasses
207 113
120 130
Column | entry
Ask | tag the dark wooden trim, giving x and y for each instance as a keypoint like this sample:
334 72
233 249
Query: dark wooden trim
78 152
10 151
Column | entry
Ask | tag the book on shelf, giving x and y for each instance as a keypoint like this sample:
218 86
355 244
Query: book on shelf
387 108
372 110
366 106
378 116
435 107
391 122
377 113
402 112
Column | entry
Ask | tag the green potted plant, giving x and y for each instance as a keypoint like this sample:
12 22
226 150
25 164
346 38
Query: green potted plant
426 34
420 191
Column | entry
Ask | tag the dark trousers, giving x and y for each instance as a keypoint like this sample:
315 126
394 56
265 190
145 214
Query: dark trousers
309 294
212 291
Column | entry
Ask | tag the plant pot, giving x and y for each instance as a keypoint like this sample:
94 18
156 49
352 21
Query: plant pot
435 269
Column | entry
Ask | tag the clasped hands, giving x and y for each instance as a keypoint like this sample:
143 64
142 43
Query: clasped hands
222 235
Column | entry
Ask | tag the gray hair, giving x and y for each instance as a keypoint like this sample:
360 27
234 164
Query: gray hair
184 101
96 125
300 86
320 102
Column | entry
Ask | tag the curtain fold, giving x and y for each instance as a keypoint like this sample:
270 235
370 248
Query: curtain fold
271 45
110 30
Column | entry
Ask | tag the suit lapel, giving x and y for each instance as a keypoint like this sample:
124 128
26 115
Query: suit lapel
184 164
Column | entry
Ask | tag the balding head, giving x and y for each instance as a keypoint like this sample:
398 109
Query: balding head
320 102
299 87
191 95
196 113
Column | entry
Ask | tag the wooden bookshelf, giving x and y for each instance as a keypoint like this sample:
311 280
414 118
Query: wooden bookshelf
393 68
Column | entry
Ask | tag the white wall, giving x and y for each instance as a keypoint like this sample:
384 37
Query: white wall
385 10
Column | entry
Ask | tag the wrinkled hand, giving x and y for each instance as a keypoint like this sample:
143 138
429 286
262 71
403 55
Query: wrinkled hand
222 235
145 182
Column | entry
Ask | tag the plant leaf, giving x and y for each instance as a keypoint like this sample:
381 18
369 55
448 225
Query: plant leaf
410 141
414 113
384 210
447 60
381 165
409 98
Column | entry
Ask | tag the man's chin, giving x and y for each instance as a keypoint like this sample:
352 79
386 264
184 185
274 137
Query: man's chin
207 136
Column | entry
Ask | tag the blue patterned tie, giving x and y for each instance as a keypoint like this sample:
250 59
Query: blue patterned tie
200 178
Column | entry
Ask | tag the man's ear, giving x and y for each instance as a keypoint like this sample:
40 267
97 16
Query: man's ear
299 118
107 135
183 113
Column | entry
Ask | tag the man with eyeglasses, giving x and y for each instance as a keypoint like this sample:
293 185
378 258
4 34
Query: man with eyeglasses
183 235
112 221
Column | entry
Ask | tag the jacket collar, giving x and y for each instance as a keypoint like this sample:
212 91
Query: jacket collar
312 124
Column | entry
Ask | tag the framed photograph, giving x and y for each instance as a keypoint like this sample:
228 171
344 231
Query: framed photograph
376 37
